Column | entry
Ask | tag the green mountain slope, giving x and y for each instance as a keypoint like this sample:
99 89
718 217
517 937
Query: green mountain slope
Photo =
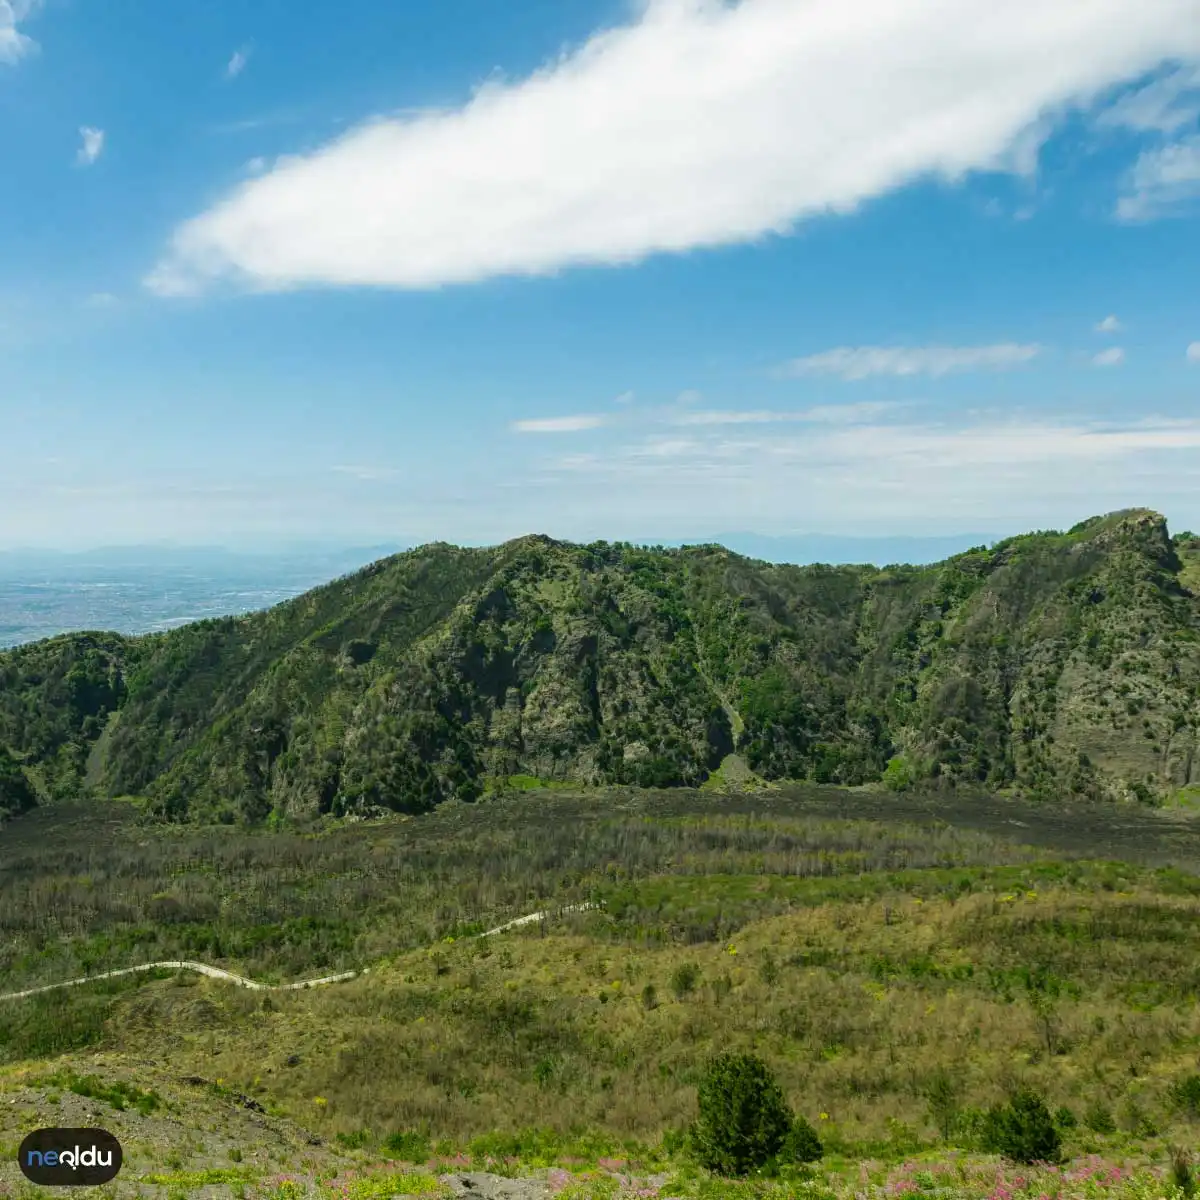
1052 663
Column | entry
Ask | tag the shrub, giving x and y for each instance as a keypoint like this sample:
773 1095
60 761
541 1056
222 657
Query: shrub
674 1142
1099 1118
802 1145
684 979
1184 1095
1023 1130
408 1146
744 1119
899 775
1183 1172
942 1095
1064 1118
649 997
768 969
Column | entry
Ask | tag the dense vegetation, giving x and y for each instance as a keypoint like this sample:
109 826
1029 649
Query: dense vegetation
1050 664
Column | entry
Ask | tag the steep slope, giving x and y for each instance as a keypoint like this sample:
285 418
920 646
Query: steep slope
1055 663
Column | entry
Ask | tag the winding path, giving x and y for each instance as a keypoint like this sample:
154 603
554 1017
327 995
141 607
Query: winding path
242 981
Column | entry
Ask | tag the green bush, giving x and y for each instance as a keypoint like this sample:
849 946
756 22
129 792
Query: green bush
1184 1095
684 979
744 1120
1099 1118
408 1146
1064 1118
942 1095
120 1095
1023 1130
802 1145
899 775
1183 1172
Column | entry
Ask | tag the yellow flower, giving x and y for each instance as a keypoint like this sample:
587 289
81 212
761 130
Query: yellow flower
732 950
824 1116
320 1100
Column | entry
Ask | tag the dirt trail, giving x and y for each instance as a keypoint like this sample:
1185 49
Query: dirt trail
242 981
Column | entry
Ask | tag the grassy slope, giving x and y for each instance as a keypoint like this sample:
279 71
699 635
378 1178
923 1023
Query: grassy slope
860 958
1056 663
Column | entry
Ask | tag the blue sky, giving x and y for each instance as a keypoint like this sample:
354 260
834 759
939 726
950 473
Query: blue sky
402 271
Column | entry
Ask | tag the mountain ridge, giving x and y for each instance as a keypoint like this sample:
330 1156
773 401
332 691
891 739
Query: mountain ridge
1051 663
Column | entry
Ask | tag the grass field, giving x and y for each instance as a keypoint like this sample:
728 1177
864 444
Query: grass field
900 962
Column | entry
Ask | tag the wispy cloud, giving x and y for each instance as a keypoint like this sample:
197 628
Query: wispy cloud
91 145
102 300
1108 325
1193 352
862 362
736 417
663 447
890 475
573 424
1164 182
625 398
1164 105
1111 357
849 414
15 45
364 472
698 124
824 414
237 62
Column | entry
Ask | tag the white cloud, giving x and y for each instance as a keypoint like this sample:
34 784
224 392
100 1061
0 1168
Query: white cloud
1193 352
92 145
364 472
1108 325
102 300
970 472
1163 182
1164 105
558 424
893 476
237 63
717 417
699 124
15 45
861 362
1111 357
625 398
689 396
828 414
661 447
849 414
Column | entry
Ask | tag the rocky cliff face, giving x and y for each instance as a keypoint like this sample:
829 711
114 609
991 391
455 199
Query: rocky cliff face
1053 663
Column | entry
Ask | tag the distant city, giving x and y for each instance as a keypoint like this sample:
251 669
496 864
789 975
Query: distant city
144 589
